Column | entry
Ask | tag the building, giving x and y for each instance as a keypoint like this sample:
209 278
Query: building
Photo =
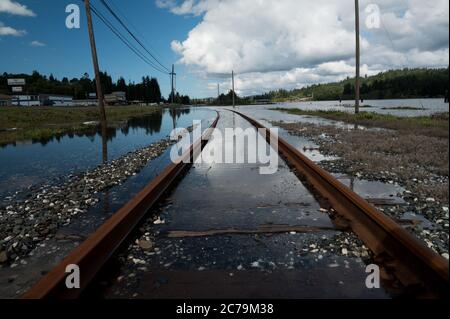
55 100
42 100
116 98
5 100
89 102
25 100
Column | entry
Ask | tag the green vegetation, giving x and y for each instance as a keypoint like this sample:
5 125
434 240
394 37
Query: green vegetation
228 99
148 90
20 123
436 125
393 84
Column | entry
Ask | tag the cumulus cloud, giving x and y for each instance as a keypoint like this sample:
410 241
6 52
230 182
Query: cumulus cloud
5 30
289 43
260 82
12 7
36 43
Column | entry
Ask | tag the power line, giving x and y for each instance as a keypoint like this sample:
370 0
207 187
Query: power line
125 40
131 33
115 6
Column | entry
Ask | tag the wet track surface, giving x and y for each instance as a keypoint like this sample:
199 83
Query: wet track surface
172 256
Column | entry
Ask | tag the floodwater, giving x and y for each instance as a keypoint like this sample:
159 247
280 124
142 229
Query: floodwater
218 197
423 107
33 162
211 197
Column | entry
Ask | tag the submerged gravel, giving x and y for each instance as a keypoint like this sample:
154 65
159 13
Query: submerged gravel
26 219
417 163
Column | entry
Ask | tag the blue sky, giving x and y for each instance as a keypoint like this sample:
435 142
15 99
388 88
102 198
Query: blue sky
66 51
269 44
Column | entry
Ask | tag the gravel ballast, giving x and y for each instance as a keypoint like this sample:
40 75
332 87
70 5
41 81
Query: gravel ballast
415 162
32 217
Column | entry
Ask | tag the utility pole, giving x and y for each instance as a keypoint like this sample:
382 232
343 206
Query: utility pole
232 84
97 81
172 74
95 62
358 57
218 93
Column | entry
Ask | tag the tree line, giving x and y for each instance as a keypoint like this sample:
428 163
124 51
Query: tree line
147 90
392 84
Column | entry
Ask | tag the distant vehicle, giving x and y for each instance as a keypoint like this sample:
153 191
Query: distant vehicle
47 103
116 98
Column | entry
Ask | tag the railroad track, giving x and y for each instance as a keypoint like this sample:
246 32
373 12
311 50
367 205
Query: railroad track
421 272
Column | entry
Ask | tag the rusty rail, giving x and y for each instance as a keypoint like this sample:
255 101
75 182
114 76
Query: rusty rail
95 251
421 271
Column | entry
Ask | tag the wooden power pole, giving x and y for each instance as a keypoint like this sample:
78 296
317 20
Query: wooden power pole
358 57
218 93
98 83
172 74
232 84
95 62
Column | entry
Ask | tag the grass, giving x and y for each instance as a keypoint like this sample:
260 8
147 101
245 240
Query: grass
411 108
21 123
435 125
371 152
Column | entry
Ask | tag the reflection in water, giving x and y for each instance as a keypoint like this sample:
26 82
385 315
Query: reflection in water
29 163
104 145
176 113
106 201
151 122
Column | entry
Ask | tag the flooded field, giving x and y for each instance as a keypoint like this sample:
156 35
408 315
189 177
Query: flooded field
29 163
192 249
400 107
286 245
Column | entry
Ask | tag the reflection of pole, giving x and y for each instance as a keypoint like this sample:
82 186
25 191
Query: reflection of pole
357 56
232 84
97 76
106 202
104 147
218 93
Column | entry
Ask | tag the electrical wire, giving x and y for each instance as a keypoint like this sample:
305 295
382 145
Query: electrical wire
125 40
131 33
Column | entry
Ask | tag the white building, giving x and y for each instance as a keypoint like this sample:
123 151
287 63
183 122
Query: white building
25 100
42 100
55 100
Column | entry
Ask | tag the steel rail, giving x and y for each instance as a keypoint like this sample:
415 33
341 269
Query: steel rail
421 271
91 255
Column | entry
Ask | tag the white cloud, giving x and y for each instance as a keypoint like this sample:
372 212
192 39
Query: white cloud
259 82
290 43
12 7
193 7
5 30
36 43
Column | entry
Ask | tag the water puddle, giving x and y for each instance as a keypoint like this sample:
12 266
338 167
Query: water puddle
71 153
227 222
